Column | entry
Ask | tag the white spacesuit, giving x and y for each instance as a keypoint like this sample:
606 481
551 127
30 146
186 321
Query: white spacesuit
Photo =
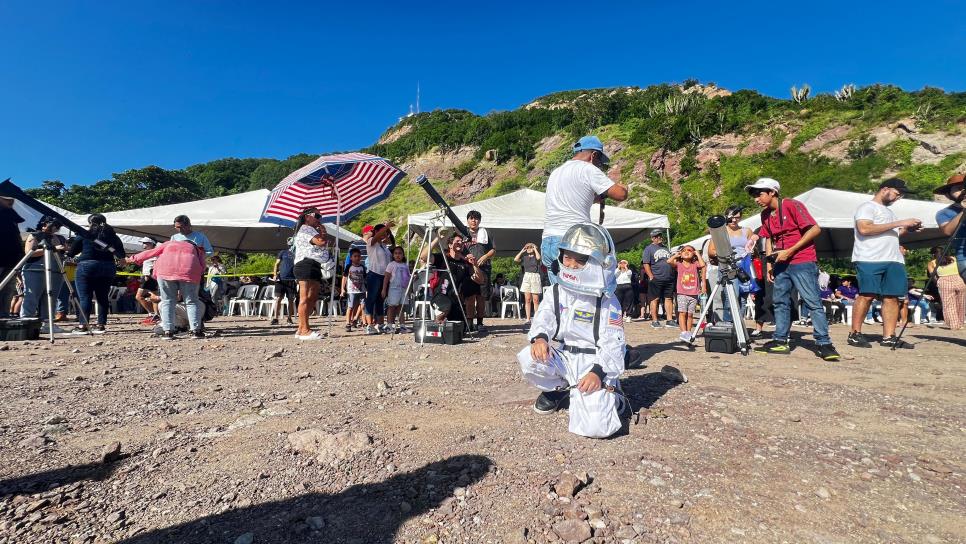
567 317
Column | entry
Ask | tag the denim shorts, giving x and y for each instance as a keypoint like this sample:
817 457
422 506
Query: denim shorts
882 278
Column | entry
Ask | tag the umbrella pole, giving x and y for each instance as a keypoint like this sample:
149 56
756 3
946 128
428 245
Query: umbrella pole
335 271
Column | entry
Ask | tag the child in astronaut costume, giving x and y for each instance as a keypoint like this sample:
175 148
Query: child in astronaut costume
577 337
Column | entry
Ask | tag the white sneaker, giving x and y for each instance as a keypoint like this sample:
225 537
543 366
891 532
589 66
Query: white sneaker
314 335
370 330
685 336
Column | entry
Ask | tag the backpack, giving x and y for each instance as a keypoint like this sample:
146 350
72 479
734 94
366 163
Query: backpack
211 309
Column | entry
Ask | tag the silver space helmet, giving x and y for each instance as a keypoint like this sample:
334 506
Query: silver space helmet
598 276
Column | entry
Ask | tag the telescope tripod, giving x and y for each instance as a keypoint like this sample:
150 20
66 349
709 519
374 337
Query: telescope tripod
727 272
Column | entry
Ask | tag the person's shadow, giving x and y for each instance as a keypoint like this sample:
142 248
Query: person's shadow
643 390
42 481
363 514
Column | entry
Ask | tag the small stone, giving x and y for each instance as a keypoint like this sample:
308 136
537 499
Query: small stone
75 350
111 452
673 374
567 485
246 538
37 505
915 477
657 481
55 420
315 523
116 517
823 493
675 503
795 418
382 385
411 427
35 441
598 523
96 343
626 532
275 354
572 530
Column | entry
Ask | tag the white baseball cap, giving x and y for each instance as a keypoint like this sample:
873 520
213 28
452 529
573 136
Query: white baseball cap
147 240
767 184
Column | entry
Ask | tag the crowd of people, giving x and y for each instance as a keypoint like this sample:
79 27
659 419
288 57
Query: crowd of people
575 294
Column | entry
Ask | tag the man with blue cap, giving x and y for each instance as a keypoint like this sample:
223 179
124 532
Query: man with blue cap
572 190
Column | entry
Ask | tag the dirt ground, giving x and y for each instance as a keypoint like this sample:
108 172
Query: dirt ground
251 436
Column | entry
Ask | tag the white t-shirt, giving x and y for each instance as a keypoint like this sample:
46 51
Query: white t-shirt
879 248
400 274
147 267
378 259
356 282
624 276
305 249
571 191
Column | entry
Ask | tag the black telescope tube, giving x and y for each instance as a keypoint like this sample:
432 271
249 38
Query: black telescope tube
8 189
423 182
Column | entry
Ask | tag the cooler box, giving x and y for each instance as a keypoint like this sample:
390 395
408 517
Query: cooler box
431 332
12 330
720 338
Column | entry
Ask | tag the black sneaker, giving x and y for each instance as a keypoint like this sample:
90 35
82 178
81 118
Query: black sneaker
859 340
550 401
198 334
894 342
80 329
776 347
168 335
98 329
827 353
633 359
274 322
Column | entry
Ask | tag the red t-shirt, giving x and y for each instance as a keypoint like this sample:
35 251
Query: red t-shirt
688 279
787 231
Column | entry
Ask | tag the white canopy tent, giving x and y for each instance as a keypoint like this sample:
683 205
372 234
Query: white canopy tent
517 218
834 210
31 217
231 223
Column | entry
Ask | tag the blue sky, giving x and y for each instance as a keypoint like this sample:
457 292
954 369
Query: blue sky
91 88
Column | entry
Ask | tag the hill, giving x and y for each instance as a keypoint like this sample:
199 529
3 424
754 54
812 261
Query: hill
684 150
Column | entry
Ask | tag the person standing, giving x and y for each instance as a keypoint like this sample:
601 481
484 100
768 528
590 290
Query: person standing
179 268
625 288
379 258
879 263
283 276
742 241
481 247
35 297
530 286
182 224
572 190
310 253
790 233
952 290
660 279
95 271
11 249
147 293
950 219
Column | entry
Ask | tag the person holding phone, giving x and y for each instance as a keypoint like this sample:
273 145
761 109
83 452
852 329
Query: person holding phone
530 286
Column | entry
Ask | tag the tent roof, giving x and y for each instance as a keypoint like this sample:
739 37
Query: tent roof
834 211
31 217
516 218
231 222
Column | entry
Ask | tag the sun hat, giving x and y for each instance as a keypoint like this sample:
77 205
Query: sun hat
591 143
766 184
956 179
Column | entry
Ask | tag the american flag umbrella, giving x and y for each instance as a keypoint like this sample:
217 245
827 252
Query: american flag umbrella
340 186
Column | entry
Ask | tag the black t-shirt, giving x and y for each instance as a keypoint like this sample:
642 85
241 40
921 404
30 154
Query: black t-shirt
530 263
462 273
478 250
11 247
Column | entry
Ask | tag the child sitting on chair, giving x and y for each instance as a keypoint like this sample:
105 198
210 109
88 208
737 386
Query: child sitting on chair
584 321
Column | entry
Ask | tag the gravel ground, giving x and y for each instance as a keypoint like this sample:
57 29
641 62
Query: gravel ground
251 437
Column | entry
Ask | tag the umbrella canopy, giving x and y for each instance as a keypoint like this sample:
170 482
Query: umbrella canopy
231 223
340 186
834 211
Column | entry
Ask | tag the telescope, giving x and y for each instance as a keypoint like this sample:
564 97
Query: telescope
722 245
423 182
8 189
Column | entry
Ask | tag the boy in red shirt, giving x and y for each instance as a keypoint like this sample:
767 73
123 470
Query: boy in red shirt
790 232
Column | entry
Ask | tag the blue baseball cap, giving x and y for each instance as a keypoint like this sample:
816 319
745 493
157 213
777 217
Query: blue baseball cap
591 143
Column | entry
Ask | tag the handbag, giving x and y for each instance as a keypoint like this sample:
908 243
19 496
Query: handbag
328 269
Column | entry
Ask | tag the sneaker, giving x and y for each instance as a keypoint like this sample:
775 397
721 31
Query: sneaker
671 324
370 330
481 329
857 339
550 401
656 324
61 316
98 329
402 329
868 321
685 337
274 322
896 343
149 320
624 408
168 335
776 347
827 353
348 328
756 333
198 334
633 358
80 329
289 321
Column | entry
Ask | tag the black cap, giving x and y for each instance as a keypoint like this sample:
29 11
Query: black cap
895 183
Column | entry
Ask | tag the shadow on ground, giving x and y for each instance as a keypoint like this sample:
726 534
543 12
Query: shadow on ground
363 514
42 481
948 339
643 390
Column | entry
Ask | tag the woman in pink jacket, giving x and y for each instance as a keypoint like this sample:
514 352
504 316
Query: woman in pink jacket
179 268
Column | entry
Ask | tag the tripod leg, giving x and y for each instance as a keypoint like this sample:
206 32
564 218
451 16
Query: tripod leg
704 313
81 316
737 316
51 295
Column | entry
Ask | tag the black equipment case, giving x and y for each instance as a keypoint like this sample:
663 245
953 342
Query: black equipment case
720 338
12 330
431 332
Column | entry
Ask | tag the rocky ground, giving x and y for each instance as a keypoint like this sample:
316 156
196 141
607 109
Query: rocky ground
251 437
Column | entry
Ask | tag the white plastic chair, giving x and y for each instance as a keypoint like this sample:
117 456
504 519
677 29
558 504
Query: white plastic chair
267 298
245 300
513 305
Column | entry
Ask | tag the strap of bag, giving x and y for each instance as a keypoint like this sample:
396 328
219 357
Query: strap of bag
556 309
597 322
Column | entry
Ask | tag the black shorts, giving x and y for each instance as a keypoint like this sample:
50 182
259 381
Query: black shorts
150 284
308 270
285 289
660 289
471 288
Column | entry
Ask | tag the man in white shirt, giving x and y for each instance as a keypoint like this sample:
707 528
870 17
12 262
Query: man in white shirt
879 262
572 190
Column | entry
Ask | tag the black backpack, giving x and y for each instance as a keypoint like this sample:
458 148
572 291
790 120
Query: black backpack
211 309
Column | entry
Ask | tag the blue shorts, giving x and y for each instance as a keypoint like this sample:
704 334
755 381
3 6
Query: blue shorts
885 279
354 299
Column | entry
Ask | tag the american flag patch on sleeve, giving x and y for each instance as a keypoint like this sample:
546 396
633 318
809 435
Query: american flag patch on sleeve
615 319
